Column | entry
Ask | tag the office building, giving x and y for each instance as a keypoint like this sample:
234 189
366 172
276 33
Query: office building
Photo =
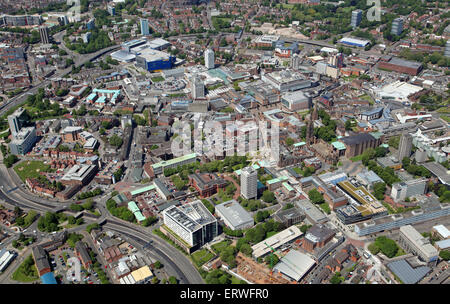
197 88
144 27
249 183
390 222
412 241
234 215
400 191
209 59
43 32
23 141
356 18
404 147
397 26
191 225
17 120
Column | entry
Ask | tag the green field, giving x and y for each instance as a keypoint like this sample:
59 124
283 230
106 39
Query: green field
30 169
219 247
200 257
26 272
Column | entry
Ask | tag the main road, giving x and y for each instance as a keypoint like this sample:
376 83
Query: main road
12 193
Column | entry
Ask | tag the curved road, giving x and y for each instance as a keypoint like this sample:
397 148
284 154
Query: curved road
11 193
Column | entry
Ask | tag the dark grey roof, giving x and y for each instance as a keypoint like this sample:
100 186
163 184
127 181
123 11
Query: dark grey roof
320 232
406 273
357 139
82 251
406 63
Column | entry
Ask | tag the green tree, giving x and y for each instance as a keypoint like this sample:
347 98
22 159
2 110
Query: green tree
173 280
445 255
315 196
268 196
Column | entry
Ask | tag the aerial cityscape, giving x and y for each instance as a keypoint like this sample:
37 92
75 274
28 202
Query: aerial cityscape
224 142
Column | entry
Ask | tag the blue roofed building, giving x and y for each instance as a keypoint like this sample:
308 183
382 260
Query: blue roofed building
48 278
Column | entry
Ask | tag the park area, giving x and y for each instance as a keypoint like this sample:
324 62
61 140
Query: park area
26 272
30 169
200 257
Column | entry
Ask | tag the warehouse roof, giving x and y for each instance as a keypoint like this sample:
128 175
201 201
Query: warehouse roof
407 273
295 265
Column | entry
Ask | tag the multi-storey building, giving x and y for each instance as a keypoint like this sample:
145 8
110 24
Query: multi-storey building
405 145
412 241
144 27
249 183
190 225
356 18
43 32
209 59
397 26
402 190
23 141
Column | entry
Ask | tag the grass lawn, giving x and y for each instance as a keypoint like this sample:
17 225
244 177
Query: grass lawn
30 169
356 158
22 276
220 246
325 207
298 170
157 79
200 257
235 280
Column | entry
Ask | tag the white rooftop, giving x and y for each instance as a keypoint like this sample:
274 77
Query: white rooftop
276 241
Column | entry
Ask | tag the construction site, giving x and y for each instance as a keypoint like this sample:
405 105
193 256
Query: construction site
258 273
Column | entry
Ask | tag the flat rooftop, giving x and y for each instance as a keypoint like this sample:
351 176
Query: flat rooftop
234 213
276 241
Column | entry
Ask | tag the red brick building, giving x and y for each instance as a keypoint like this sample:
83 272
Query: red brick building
207 184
